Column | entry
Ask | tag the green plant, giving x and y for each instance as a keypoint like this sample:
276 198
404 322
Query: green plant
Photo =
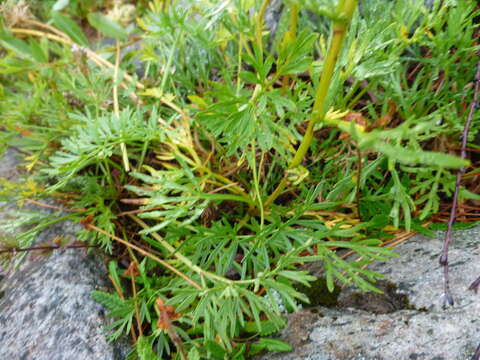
230 164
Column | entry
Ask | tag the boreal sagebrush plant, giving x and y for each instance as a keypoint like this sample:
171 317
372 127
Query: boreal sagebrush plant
215 158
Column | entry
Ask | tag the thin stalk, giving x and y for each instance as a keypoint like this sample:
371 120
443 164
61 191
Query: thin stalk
42 34
106 171
116 107
48 27
354 87
256 184
259 25
220 188
43 248
168 65
38 203
114 164
119 291
117 286
122 46
359 181
448 299
345 11
290 36
239 64
134 290
143 154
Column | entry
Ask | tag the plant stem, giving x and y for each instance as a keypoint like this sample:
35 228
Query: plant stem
359 182
345 11
448 299
291 35
259 25
256 183
43 248
116 107
134 265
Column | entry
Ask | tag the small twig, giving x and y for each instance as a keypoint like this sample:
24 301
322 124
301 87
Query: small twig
133 272
53 247
139 201
137 211
448 299
472 174
53 206
119 291
223 188
117 286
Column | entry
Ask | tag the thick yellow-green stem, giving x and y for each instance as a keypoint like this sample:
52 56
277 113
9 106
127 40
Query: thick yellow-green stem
345 12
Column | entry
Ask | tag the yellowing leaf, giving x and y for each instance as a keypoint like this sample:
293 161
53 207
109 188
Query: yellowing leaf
152 92
404 33
198 101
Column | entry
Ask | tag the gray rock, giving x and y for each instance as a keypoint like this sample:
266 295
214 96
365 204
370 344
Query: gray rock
423 331
272 18
46 311
8 165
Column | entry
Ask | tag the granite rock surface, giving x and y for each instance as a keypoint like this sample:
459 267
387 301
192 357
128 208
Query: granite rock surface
46 308
422 330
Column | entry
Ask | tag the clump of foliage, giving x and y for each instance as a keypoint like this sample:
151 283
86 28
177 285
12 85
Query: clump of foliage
214 158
